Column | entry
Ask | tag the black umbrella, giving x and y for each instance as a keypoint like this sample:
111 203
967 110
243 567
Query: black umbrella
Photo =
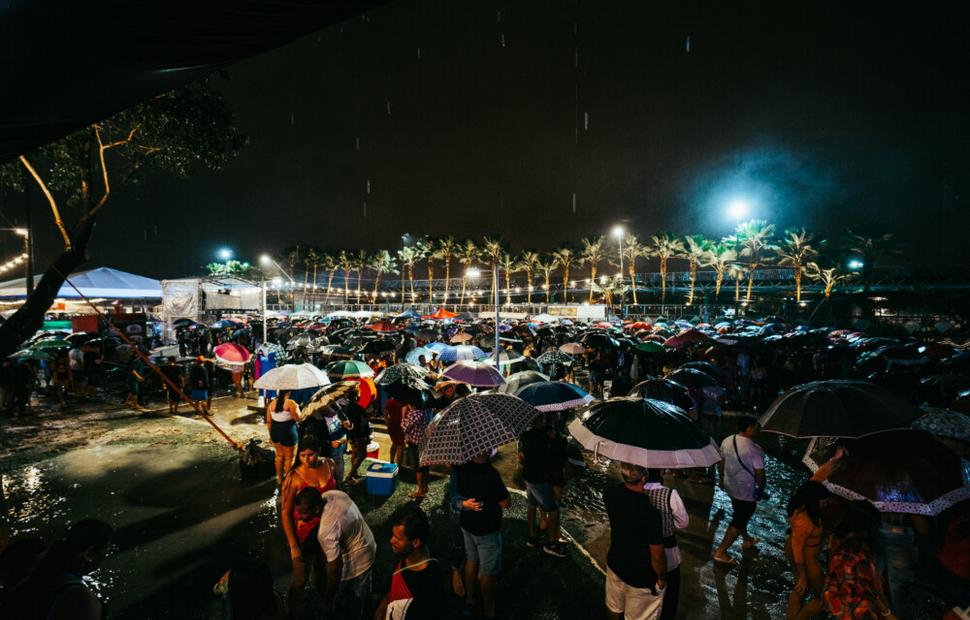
838 409
182 323
598 340
707 368
553 395
692 378
645 432
393 373
378 346
410 390
519 380
554 357
665 390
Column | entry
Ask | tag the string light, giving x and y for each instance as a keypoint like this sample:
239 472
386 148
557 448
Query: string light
13 262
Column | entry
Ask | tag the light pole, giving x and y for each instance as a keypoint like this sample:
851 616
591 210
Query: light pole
738 208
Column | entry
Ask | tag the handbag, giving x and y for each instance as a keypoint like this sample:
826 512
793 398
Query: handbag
759 491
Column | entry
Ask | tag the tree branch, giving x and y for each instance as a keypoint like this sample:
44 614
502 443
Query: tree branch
50 199
102 147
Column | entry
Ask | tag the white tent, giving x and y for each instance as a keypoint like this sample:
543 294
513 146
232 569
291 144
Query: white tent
94 283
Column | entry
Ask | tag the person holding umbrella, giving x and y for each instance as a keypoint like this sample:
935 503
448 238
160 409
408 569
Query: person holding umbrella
636 566
743 479
537 453
673 516
282 415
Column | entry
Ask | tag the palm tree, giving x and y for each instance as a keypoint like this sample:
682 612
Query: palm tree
830 278
409 255
564 255
719 257
330 263
736 271
315 256
870 245
664 246
592 254
796 250
467 254
528 262
308 258
361 260
492 249
346 261
697 247
547 264
633 249
756 238
446 251
428 248
382 262
509 265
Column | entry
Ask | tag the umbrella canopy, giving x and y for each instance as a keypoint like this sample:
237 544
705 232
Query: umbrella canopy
479 374
460 352
692 378
650 346
550 358
397 371
665 390
348 369
231 355
182 323
899 471
51 343
225 324
335 350
441 314
31 354
572 348
410 390
327 395
300 342
942 423
292 377
367 391
707 368
838 409
473 425
597 340
553 395
461 337
645 432
684 338
414 354
519 380
383 326
378 346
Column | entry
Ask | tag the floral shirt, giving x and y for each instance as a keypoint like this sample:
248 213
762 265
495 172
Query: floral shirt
852 584
414 424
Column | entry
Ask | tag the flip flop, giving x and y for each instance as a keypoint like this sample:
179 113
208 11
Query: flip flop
728 562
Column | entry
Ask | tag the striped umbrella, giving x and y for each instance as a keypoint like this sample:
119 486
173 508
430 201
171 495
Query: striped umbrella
348 369
473 425
460 352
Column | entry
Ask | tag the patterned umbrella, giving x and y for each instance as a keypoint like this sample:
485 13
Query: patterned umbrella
397 371
292 377
838 409
572 348
348 369
460 352
300 342
231 355
474 425
553 396
942 423
519 380
268 348
644 432
327 395
554 357
461 338
899 471
479 374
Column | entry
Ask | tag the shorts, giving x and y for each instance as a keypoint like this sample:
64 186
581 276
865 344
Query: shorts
541 495
741 513
283 433
173 397
633 603
200 395
486 550
93 379
411 459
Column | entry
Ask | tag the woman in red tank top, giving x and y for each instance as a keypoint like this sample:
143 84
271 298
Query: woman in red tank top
301 535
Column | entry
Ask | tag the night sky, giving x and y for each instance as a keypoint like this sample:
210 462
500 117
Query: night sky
468 118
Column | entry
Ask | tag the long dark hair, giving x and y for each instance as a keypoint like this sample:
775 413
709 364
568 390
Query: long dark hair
808 496
281 400
858 526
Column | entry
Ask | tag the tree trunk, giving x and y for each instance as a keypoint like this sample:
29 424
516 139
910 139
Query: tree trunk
464 284
717 285
330 275
360 274
592 280
548 288
693 279
747 297
737 287
346 285
447 275
798 284
491 297
508 287
377 282
313 295
565 284
306 284
663 282
528 290
633 281
431 281
411 281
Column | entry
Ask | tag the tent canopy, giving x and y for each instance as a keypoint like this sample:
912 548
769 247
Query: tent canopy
101 282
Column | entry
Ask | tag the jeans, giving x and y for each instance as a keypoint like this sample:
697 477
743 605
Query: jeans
898 546
337 454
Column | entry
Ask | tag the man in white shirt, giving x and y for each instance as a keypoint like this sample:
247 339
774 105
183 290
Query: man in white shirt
349 547
673 516
742 478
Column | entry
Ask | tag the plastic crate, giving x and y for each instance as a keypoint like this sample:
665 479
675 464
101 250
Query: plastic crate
381 478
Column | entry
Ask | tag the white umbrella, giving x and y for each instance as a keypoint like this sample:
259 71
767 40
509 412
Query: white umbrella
292 377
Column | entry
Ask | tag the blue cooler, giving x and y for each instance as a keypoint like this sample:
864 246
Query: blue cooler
381 478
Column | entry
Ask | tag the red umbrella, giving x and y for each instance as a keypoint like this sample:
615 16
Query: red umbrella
684 338
440 314
231 354
383 326
367 390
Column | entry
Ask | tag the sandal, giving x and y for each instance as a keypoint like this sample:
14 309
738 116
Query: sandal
728 562
416 494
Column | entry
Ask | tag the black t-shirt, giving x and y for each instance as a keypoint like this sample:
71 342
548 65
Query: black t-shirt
358 418
482 482
634 526
539 460
173 374
425 587
198 377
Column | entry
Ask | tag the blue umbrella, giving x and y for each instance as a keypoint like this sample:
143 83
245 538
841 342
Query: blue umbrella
553 395
414 354
449 355
437 347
